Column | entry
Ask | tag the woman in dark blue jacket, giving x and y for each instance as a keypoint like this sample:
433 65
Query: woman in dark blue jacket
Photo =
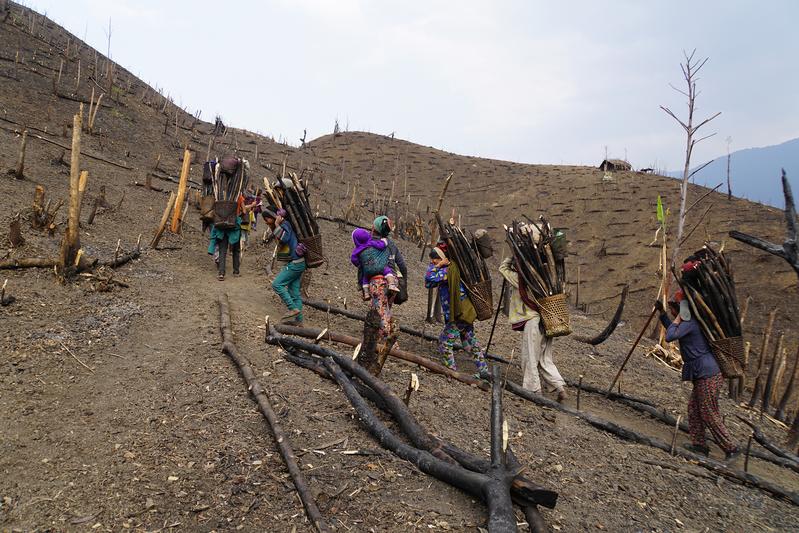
699 367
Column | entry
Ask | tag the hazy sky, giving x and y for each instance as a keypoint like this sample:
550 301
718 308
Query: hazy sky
524 80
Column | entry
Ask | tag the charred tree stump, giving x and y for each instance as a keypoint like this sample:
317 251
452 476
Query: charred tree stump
757 389
766 399
15 233
100 201
19 171
260 397
38 220
786 396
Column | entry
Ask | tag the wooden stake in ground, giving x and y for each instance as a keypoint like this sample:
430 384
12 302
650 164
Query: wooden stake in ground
19 171
786 396
71 242
184 178
758 387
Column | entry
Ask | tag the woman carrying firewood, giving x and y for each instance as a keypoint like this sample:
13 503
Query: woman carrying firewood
537 348
290 251
379 293
699 367
459 312
221 240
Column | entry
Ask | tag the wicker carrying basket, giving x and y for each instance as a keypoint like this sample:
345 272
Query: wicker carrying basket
207 208
554 315
729 354
314 255
225 214
480 295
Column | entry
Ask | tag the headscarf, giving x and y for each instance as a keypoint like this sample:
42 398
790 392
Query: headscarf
362 239
383 225
439 253
268 212
684 305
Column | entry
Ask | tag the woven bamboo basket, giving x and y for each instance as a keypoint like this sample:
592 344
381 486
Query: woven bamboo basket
225 214
480 294
207 208
729 354
554 315
314 256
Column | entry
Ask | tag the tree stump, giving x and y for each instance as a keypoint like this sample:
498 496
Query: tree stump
15 233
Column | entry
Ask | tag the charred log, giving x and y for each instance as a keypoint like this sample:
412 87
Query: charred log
260 397
611 327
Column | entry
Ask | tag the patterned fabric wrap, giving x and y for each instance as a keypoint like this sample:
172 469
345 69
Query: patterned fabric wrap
703 413
374 262
462 332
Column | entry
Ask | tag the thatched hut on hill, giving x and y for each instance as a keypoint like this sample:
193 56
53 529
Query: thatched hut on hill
615 165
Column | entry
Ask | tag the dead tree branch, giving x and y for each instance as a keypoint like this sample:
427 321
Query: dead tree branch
611 327
260 397
789 251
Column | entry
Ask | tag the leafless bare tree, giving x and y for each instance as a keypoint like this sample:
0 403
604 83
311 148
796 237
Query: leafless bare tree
690 70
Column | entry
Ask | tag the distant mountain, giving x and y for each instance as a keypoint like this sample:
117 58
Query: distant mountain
755 172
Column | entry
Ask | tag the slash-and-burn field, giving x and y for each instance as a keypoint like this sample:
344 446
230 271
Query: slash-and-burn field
118 409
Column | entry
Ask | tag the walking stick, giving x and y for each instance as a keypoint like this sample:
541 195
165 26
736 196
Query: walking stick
618 374
496 315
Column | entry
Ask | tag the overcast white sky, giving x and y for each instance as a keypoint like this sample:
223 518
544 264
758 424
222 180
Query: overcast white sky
525 80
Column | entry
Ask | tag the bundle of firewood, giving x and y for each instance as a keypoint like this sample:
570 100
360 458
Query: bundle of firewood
540 257
229 179
462 249
707 281
291 194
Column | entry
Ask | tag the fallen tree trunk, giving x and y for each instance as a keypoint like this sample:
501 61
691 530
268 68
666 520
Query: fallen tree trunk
286 452
620 431
718 467
321 306
493 489
438 368
524 491
122 259
611 327
27 262
84 154
612 396
660 414
764 441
